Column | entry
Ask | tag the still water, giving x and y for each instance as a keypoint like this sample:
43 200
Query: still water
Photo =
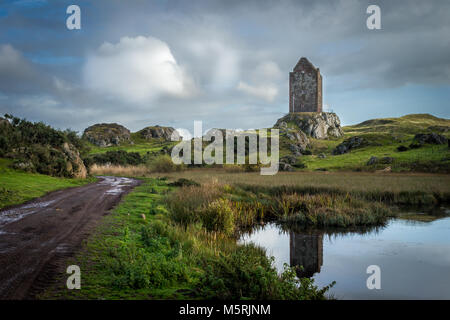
414 257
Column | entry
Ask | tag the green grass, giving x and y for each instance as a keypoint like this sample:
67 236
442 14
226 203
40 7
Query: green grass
435 157
384 136
17 187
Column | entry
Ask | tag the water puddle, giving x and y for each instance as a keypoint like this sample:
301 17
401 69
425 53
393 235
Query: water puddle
11 215
117 184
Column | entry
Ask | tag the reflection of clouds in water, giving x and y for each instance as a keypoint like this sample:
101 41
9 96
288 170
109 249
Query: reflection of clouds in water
414 258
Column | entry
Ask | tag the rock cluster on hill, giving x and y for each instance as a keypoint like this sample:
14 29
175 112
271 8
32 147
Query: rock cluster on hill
318 125
349 144
157 132
432 138
107 134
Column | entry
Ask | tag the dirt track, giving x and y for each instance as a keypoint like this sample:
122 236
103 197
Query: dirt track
37 237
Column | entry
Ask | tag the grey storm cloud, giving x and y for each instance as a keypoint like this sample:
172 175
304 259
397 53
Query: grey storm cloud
223 62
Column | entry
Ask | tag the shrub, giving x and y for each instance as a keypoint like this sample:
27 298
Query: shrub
217 216
163 163
119 157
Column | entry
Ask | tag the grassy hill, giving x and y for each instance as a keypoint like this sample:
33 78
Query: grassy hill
384 136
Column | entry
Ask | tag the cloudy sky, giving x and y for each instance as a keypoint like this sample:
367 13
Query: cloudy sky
225 62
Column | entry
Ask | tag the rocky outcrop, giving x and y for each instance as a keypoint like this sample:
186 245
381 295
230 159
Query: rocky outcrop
385 160
157 132
349 144
318 125
107 134
4 122
74 165
432 138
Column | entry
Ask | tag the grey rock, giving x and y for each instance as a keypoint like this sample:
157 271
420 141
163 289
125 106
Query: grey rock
74 164
432 138
289 159
322 156
285 167
318 125
373 160
349 144
157 132
107 134
295 149
387 160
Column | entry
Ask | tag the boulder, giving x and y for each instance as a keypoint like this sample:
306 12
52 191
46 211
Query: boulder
373 160
107 134
295 149
157 132
74 165
322 156
4 122
386 160
318 125
289 159
296 137
349 144
432 138
285 167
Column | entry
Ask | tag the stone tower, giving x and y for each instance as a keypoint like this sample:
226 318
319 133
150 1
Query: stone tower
305 88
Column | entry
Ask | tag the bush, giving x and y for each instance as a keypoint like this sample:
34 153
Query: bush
119 157
217 216
163 163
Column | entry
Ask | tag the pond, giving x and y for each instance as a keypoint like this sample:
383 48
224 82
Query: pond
413 254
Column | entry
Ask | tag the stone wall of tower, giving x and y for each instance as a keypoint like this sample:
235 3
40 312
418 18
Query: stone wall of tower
305 88
319 91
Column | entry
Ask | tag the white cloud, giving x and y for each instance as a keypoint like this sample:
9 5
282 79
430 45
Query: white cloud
221 60
137 70
267 92
267 71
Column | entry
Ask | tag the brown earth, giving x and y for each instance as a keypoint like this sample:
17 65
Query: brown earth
36 238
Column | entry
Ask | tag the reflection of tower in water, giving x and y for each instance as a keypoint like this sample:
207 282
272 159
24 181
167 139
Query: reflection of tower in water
306 250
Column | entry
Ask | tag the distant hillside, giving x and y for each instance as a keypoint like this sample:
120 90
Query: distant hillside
409 124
